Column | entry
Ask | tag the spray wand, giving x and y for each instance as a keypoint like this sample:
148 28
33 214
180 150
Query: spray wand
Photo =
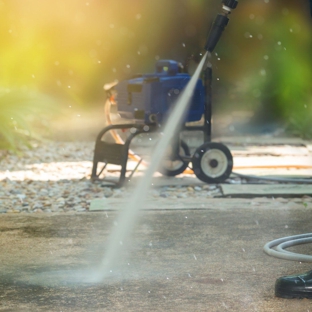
219 24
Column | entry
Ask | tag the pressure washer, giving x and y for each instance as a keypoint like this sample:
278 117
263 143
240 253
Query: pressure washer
147 99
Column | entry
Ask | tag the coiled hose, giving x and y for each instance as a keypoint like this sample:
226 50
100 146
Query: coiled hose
276 248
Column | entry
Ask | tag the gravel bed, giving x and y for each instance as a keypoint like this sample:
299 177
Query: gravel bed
54 177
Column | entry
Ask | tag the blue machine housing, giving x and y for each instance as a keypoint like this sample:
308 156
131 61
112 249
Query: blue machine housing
148 97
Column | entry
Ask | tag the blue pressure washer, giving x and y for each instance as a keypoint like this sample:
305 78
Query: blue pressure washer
147 99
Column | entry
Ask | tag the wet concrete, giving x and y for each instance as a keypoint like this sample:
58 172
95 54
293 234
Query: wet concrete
208 259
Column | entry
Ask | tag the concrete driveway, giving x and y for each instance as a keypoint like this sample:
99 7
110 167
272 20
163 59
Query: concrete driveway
191 259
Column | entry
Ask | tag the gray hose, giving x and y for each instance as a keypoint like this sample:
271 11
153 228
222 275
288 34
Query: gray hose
285 242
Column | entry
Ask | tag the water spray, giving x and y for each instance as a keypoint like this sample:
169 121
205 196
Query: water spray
129 215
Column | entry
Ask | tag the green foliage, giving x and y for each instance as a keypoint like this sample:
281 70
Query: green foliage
300 124
19 110
70 49
288 87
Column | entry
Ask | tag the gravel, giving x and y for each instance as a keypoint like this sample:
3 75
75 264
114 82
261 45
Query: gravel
54 177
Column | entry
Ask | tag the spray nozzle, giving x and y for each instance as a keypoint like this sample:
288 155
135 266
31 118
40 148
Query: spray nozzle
231 4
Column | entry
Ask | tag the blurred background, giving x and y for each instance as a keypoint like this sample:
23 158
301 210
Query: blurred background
56 56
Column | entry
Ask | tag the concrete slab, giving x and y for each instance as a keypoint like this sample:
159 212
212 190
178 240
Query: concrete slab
115 204
304 162
266 189
176 260
262 140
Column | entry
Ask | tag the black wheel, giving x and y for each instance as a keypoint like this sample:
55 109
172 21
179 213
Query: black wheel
212 162
174 164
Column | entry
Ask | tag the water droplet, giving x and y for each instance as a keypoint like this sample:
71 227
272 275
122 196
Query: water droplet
183 44
266 57
194 257
243 249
